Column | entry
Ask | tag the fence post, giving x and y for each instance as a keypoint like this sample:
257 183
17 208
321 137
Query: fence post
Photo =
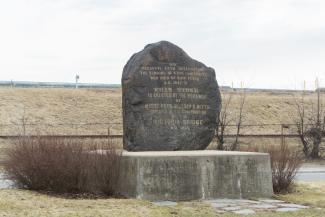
283 126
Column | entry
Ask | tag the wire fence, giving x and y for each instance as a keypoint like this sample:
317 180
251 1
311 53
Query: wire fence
114 130
61 129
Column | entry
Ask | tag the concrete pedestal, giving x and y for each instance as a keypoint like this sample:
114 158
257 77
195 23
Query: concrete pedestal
193 175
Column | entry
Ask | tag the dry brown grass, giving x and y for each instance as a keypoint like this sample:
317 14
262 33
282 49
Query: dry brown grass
65 106
307 193
59 105
22 203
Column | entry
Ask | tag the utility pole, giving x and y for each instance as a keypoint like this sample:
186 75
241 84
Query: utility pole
77 78
318 102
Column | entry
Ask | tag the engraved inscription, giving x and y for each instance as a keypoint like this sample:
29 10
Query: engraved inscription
175 97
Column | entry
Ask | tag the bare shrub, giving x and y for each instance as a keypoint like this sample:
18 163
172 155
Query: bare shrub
285 162
62 166
104 173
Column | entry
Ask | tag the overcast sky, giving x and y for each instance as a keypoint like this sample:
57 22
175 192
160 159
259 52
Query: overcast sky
263 43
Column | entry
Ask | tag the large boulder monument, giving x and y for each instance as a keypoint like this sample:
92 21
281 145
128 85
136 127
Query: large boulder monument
171 102
171 105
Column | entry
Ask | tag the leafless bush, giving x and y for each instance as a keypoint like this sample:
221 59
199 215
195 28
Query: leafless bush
104 172
62 166
285 162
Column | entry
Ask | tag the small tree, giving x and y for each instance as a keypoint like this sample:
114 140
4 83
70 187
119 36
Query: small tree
239 120
223 122
310 125
22 123
226 117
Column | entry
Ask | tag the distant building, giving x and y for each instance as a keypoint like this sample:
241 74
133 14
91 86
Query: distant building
321 89
226 88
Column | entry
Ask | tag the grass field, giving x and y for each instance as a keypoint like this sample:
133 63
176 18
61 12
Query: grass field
22 203
56 106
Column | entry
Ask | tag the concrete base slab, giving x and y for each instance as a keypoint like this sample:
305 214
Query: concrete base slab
242 207
245 207
263 206
245 212
165 203
294 206
193 175
287 210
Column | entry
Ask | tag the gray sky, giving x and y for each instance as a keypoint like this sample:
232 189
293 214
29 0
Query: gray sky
263 43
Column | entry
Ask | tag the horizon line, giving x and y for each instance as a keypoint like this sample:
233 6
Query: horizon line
116 85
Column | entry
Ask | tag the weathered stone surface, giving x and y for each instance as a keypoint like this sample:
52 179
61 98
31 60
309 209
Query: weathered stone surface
245 212
263 206
270 201
232 208
170 101
287 209
194 175
165 203
289 205
246 207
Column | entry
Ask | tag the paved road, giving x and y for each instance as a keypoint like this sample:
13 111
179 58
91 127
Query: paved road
4 183
311 172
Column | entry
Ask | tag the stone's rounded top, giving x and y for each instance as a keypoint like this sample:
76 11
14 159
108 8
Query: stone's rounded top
198 153
171 102
159 53
165 51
